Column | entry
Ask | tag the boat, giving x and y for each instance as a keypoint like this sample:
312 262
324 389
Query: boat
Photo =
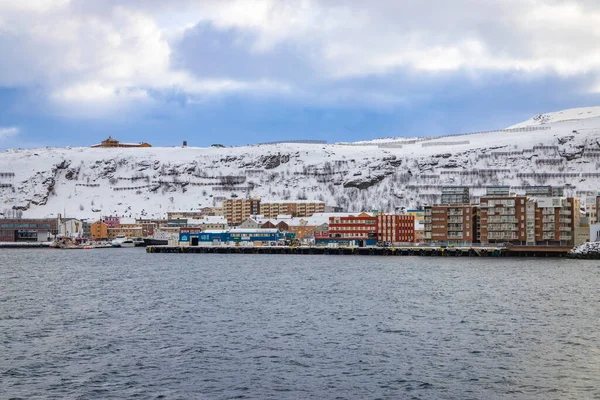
155 242
160 238
122 241
138 242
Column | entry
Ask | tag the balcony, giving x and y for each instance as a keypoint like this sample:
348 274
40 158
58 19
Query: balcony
565 229
455 212
427 211
455 220
565 220
455 228
502 236
454 236
566 237
565 213
548 219
427 220
548 237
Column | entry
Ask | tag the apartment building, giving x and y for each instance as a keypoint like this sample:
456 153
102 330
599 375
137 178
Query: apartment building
184 214
361 228
544 191
503 219
395 228
237 211
556 219
455 195
297 208
451 223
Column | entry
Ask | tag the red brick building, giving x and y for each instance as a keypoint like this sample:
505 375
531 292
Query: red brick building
362 228
396 228
369 229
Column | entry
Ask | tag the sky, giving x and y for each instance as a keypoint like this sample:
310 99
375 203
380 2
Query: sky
234 72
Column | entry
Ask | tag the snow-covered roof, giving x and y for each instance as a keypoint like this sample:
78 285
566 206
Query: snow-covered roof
254 230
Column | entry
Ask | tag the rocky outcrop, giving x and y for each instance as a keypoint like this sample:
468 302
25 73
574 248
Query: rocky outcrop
273 160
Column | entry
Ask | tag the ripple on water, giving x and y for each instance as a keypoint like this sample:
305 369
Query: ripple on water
126 324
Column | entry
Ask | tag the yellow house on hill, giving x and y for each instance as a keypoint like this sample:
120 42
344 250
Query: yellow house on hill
110 142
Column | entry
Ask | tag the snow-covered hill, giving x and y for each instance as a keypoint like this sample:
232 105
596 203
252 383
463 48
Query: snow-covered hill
383 174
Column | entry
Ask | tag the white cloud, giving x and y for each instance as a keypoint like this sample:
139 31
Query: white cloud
8 132
97 61
101 56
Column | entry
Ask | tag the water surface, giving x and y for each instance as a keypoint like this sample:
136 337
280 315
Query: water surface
120 323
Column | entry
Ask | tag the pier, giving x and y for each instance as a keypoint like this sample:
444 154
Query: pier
423 251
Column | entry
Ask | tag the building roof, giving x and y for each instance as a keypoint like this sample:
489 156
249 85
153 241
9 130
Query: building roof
257 230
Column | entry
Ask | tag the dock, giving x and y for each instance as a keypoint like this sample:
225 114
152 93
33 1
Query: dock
25 245
424 251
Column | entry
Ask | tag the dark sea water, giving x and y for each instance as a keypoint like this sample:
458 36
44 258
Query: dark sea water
123 324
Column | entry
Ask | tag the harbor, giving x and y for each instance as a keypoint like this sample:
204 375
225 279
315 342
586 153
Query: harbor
423 251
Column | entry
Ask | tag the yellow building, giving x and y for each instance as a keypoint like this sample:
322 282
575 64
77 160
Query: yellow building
99 231
130 232
111 143
299 208
418 214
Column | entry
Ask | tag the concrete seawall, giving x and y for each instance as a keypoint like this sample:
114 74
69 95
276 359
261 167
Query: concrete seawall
371 251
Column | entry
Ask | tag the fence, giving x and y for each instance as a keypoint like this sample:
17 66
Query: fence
445 143
293 141
118 189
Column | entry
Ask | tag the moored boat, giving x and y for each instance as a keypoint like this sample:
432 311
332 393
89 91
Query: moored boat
122 241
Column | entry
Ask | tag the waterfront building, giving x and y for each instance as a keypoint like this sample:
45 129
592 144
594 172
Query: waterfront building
99 230
114 143
583 231
556 219
237 211
257 237
150 226
591 205
70 227
87 229
418 214
503 218
112 221
127 231
208 223
28 230
419 231
394 228
451 223
250 223
361 228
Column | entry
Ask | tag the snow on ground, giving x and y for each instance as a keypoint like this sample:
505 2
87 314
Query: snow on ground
383 174
587 248
561 116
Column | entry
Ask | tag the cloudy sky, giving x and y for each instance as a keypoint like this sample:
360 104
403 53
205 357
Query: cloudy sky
242 71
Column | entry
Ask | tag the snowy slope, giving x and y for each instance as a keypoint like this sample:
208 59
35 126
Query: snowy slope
382 174
561 116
